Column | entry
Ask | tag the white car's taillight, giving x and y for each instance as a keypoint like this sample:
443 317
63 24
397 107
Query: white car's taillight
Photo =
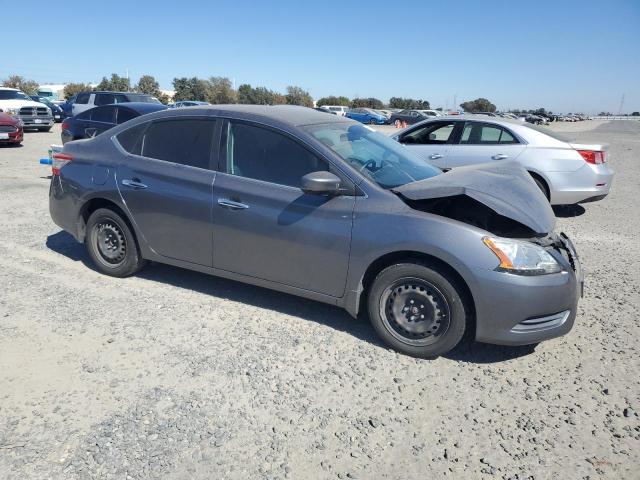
594 157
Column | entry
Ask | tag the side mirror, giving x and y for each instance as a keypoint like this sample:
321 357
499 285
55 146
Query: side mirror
320 183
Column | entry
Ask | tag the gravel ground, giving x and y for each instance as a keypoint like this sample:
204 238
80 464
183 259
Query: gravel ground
177 375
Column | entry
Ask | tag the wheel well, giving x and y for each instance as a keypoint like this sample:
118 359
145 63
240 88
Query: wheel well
93 205
412 257
543 181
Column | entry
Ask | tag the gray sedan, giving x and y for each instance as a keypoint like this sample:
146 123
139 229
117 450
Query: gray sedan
323 207
566 172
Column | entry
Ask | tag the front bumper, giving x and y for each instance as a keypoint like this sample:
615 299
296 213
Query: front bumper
36 121
520 310
588 183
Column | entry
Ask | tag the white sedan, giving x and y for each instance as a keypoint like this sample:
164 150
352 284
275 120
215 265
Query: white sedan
566 172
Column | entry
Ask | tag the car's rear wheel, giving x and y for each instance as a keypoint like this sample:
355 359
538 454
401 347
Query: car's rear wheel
541 185
112 245
417 309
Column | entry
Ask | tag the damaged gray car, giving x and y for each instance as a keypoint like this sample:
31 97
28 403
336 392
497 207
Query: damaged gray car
324 208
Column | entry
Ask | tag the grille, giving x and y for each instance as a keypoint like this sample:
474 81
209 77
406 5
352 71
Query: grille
34 111
7 128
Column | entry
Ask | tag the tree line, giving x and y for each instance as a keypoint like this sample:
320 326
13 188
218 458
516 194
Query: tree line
218 90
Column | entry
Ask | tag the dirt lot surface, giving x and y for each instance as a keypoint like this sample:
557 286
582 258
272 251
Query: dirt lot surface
177 375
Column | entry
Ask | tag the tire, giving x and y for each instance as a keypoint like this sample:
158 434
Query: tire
372 122
112 245
44 129
542 186
397 299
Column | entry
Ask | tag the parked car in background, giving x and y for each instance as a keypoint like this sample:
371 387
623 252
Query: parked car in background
202 188
34 115
566 172
188 103
324 110
91 123
367 115
67 106
11 131
337 109
56 111
86 100
408 116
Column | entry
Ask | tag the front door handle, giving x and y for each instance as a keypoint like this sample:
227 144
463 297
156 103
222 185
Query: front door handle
435 156
500 156
135 183
223 202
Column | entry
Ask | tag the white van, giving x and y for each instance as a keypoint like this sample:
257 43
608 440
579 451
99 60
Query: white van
337 109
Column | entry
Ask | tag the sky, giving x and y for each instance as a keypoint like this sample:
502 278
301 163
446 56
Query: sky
563 55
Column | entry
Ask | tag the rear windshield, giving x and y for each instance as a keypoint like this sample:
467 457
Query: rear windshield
551 133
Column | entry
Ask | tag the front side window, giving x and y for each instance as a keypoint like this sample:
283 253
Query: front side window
13 95
431 134
103 114
124 115
373 154
104 99
263 154
485 134
187 142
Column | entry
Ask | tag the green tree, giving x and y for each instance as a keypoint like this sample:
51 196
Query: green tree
220 90
149 85
398 102
478 105
298 96
366 103
115 84
259 96
29 87
190 89
333 100
71 89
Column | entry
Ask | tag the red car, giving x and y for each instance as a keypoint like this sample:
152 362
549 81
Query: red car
10 130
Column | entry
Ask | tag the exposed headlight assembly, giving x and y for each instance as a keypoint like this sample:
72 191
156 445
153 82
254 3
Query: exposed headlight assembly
11 110
521 257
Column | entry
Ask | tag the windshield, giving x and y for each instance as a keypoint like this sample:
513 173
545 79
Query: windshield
142 98
383 160
13 95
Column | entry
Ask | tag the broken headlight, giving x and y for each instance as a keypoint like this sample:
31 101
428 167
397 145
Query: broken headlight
522 257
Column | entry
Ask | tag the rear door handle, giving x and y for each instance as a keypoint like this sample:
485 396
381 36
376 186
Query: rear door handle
435 156
135 183
223 202
500 156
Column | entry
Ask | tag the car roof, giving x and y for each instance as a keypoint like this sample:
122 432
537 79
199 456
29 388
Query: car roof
113 91
141 107
286 114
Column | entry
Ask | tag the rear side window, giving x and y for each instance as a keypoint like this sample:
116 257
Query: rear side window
86 115
104 99
262 154
131 139
103 114
83 98
188 142
485 134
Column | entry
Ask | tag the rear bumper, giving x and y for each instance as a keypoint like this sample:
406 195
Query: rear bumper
517 310
588 183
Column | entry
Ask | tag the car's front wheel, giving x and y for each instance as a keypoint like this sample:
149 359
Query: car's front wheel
112 245
417 309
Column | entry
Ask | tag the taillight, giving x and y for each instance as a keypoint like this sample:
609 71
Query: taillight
594 157
59 160
65 126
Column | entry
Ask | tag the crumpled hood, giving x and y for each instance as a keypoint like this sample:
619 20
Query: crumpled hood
504 187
